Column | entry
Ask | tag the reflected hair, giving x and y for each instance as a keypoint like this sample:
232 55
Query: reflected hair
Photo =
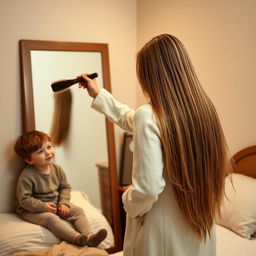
61 116
195 151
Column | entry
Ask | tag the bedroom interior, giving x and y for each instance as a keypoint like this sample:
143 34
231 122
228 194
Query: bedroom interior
220 37
235 230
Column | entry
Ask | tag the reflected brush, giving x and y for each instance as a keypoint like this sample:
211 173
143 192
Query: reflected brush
62 85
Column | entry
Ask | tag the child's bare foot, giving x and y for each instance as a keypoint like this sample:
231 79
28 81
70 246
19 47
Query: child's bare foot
81 239
95 239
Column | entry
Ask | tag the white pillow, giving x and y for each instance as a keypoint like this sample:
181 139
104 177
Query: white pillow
238 211
19 235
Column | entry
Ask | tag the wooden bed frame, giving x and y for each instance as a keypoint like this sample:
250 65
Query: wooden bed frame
245 161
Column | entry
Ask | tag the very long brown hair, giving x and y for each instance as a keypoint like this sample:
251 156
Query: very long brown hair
195 150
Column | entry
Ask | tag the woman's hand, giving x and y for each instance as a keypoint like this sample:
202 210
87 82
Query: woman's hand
90 84
63 210
50 207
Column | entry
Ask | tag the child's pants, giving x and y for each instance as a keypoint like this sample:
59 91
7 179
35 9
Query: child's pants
58 226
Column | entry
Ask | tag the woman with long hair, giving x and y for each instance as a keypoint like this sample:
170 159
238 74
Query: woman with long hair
180 155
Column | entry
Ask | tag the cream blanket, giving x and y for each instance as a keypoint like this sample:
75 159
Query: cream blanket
64 249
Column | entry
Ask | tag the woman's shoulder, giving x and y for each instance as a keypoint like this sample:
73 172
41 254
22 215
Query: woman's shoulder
145 112
144 116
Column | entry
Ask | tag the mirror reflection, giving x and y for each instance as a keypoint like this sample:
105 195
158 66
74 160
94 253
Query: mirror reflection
85 144
87 154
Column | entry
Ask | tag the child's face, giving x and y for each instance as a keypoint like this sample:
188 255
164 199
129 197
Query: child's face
43 156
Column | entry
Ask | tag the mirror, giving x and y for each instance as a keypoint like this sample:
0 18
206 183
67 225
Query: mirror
90 140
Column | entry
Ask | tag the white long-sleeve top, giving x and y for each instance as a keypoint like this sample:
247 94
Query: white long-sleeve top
155 225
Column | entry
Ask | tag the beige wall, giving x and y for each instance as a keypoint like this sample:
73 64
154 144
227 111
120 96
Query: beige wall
220 37
112 22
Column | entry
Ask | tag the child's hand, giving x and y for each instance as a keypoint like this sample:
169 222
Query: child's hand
50 207
63 210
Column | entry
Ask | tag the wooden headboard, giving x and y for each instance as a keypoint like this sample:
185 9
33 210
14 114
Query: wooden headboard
245 161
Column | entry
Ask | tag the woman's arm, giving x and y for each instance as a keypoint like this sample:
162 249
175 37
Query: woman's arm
117 112
147 177
104 103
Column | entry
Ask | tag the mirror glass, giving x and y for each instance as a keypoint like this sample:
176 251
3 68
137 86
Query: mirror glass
90 139
86 143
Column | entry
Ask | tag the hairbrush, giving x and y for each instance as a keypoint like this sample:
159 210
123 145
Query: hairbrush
62 85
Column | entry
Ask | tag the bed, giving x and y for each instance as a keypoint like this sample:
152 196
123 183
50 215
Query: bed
17 235
236 228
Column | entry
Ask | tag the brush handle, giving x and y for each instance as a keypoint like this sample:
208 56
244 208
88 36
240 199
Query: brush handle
80 79
61 85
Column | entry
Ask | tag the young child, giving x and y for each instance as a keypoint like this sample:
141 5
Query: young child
43 193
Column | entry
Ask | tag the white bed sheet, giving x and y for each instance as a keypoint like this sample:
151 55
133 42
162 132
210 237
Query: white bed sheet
18 235
229 244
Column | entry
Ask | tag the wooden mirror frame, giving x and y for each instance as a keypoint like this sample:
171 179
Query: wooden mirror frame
29 115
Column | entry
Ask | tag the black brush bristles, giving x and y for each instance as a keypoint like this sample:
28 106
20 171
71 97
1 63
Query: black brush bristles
62 85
